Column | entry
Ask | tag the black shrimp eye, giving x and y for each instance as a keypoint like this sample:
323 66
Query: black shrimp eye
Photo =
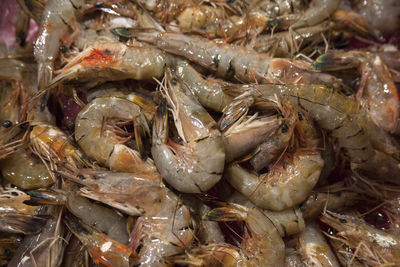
7 124
174 81
284 128
343 220
279 115
63 48
300 116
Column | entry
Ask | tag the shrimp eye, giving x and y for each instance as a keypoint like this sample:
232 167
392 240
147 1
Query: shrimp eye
300 116
7 124
284 128
174 81
279 115
343 220
63 49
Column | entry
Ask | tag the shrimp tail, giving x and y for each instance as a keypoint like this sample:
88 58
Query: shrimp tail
334 61
353 21
45 74
46 197
142 133
161 121
22 223
231 212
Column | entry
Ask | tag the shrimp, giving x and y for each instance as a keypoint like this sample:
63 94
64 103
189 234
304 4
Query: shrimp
314 249
209 92
102 249
344 253
288 183
33 175
100 141
377 92
165 224
288 43
54 145
262 245
113 61
372 246
197 165
57 17
104 219
233 62
45 248
287 222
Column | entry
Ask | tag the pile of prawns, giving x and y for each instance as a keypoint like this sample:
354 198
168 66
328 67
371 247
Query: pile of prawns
199 133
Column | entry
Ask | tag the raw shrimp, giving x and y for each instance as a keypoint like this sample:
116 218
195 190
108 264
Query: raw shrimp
377 91
314 249
47 247
21 223
113 61
234 62
165 224
104 250
262 245
101 142
373 246
289 182
287 222
55 146
288 43
209 92
58 16
196 17
104 219
197 165
33 175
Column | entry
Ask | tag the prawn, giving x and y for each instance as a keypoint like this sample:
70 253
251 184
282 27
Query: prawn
287 222
164 225
288 183
234 62
377 92
262 245
58 16
314 249
197 165
102 249
113 61
100 141
103 218
373 246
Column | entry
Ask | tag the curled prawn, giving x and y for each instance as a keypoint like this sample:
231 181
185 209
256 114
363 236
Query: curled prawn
198 164
287 184
101 141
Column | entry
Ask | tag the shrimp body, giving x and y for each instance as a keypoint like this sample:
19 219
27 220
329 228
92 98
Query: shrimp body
113 61
198 164
33 175
57 17
377 91
355 231
101 143
283 187
233 62
263 246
